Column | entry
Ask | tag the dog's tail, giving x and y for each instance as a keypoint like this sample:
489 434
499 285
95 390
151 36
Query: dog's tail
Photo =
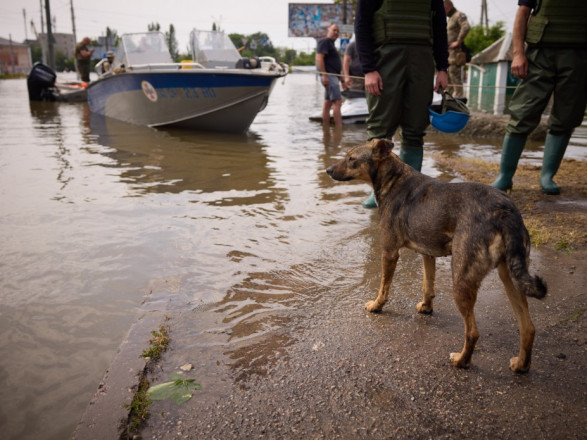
517 254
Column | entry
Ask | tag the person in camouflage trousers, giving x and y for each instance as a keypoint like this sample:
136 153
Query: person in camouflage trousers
457 29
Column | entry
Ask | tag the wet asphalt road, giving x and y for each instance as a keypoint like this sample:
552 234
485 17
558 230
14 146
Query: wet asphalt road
332 370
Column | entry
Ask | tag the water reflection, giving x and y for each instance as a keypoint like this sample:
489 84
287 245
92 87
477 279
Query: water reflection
45 113
59 124
176 161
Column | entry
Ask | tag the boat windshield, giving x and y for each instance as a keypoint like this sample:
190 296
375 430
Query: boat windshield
213 49
144 48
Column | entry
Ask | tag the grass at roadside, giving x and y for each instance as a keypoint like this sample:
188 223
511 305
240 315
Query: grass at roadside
138 409
555 221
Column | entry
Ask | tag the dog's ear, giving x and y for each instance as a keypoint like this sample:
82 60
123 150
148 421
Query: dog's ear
381 149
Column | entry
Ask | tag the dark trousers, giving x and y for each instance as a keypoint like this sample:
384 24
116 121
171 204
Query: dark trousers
557 72
83 68
407 72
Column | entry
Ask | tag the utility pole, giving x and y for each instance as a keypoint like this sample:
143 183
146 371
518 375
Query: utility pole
73 22
50 41
42 19
11 54
26 34
484 17
40 38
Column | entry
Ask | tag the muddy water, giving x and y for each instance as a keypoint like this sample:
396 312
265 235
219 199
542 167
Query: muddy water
99 219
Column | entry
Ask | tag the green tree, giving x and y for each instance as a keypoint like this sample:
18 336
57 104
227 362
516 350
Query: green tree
62 62
36 53
305 59
154 27
258 45
479 37
237 40
288 56
111 38
264 46
184 57
172 43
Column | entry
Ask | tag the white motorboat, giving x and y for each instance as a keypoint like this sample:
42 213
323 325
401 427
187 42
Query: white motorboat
217 91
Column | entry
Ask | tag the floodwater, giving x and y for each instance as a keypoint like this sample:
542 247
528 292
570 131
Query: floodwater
100 220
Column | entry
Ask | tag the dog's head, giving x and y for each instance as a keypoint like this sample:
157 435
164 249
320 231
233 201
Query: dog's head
362 162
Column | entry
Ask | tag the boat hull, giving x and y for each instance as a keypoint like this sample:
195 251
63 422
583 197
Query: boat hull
197 99
71 92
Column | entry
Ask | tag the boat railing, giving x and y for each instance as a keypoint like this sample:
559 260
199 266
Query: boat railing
164 66
267 63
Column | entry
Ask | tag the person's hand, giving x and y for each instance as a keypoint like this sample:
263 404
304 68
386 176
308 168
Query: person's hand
373 83
441 81
520 66
347 83
325 80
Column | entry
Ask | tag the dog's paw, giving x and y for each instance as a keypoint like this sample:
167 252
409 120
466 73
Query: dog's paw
518 366
457 361
373 306
424 308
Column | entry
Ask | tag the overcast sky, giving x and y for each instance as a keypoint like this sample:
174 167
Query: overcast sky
234 16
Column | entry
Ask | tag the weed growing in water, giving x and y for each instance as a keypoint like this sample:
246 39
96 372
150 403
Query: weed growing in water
159 343
139 407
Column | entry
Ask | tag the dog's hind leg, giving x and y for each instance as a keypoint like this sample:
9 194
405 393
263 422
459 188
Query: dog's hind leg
521 363
465 304
465 294
388 264
428 285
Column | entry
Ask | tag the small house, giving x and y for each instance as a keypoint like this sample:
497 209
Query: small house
490 82
14 57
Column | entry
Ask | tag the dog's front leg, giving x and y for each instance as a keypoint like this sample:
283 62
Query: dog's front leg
428 285
388 263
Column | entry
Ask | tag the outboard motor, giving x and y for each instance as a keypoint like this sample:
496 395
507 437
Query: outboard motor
41 83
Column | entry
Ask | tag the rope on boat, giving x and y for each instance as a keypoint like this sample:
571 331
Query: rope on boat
473 86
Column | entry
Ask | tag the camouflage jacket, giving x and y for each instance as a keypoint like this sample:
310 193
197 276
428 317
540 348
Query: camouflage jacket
457 27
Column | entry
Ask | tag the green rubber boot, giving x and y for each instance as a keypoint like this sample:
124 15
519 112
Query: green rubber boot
510 155
554 150
370 202
412 156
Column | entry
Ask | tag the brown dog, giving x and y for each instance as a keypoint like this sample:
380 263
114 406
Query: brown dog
477 224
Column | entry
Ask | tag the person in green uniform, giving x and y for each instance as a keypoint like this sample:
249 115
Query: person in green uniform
553 64
400 44
83 54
